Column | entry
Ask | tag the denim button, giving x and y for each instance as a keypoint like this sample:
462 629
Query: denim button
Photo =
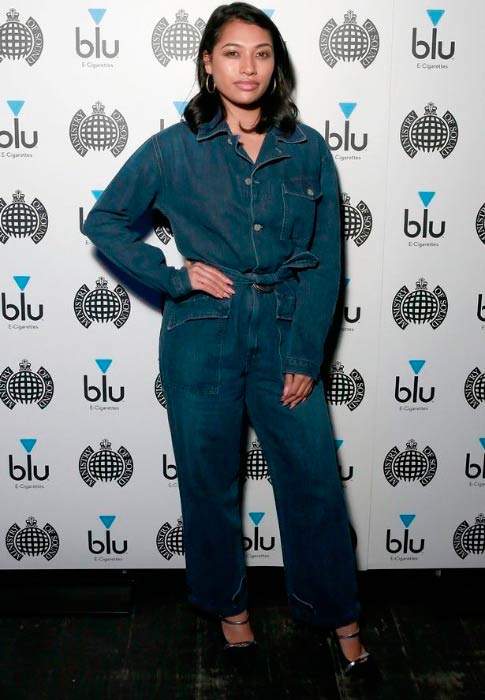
229 141
258 227
309 192
247 181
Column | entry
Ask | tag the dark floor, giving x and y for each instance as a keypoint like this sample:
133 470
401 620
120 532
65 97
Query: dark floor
427 632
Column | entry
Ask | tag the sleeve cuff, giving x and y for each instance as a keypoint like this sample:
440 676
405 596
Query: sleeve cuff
297 365
180 282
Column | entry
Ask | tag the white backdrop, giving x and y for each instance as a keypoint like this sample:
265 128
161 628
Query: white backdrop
88 477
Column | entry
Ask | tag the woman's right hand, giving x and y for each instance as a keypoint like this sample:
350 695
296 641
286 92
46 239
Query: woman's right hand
209 279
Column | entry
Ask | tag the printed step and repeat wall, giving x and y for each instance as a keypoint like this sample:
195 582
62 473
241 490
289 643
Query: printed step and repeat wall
88 477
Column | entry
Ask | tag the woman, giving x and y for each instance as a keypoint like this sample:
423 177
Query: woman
252 198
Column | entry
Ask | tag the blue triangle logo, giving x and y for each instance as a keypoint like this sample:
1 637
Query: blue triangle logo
417 365
482 442
104 365
28 444
347 108
407 519
180 106
256 517
97 194
97 14
426 197
338 444
16 106
107 520
435 16
268 12
22 281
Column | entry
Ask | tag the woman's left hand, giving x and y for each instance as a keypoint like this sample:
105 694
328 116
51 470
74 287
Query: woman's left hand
298 387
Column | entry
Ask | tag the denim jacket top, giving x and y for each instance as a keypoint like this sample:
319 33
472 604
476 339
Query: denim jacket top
281 211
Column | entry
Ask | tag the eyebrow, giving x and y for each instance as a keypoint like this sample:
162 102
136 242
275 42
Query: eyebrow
233 43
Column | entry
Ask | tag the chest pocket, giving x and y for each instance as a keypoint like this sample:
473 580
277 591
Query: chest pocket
300 197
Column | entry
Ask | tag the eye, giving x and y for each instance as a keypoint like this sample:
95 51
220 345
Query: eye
264 54
231 53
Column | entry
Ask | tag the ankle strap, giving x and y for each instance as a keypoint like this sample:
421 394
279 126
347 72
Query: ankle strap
349 636
235 622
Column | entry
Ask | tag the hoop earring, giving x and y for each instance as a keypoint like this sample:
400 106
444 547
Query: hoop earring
211 92
274 86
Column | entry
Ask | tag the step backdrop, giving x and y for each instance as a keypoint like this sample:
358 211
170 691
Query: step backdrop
87 476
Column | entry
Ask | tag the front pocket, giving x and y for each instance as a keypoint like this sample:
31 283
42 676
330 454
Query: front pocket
300 196
285 310
191 342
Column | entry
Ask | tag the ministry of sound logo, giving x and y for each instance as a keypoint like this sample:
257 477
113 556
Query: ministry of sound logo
475 387
179 41
162 227
17 137
357 220
256 465
101 305
98 132
433 48
32 541
420 306
425 228
27 474
96 46
21 220
18 309
159 391
342 388
20 40
170 540
26 386
105 464
480 223
470 539
410 465
349 41
429 132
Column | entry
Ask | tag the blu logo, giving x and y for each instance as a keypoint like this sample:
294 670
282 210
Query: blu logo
416 393
474 470
406 545
98 47
29 471
257 542
21 310
96 194
433 48
354 315
105 392
17 139
424 228
348 140
169 471
480 308
108 546
345 473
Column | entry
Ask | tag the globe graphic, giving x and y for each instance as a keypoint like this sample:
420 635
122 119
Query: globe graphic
340 388
474 538
479 388
352 221
410 465
429 133
175 539
25 386
256 465
32 541
15 40
102 305
181 41
98 132
106 465
349 42
19 220
420 306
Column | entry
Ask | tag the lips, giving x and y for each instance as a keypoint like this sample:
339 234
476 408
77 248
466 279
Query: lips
246 85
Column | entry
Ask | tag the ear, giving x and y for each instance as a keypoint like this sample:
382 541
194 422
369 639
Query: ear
206 57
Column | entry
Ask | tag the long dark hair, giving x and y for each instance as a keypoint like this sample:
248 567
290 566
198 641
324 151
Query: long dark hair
277 107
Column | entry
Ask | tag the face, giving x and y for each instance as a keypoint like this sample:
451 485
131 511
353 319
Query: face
242 63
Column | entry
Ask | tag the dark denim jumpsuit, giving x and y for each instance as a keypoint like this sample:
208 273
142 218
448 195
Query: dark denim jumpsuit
273 227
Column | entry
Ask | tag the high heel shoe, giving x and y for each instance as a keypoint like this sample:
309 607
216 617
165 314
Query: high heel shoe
363 667
247 645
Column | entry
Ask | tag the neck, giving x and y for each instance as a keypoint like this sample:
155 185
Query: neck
245 116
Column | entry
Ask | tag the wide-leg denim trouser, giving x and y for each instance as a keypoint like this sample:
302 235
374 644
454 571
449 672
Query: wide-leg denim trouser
218 356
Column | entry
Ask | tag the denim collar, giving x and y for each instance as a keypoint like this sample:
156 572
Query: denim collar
218 125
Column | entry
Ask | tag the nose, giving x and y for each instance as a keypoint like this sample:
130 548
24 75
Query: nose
248 65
